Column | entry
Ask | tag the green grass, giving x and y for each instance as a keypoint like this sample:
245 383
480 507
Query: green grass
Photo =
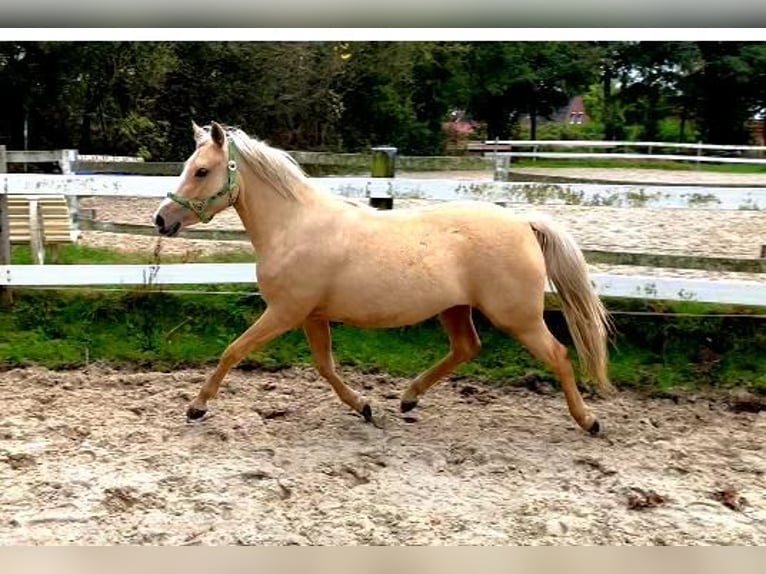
156 329
83 255
159 330
640 164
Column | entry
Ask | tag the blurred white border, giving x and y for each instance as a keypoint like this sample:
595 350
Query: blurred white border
381 34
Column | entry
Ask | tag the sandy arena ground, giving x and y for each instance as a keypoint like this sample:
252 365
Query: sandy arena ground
104 457
101 456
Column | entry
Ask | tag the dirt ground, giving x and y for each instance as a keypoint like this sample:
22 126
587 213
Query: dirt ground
103 457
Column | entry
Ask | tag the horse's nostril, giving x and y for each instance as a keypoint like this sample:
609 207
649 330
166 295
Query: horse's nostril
159 221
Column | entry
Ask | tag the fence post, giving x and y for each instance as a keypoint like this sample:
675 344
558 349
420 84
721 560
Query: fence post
67 158
383 165
502 166
502 162
384 161
6 296
36 232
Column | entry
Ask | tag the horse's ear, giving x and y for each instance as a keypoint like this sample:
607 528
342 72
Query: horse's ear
199 133
217 133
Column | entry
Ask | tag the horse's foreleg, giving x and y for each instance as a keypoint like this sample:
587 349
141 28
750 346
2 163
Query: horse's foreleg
320 340
269 326
464 346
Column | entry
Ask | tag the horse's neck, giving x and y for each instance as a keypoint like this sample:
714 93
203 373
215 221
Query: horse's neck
267 215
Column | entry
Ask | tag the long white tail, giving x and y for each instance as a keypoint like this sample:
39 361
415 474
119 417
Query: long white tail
585 314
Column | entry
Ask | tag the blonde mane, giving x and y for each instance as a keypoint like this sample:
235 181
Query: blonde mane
274 165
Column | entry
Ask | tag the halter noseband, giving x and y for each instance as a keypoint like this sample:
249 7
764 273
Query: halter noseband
199 206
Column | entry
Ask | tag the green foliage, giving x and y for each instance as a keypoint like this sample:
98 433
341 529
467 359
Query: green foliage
155 329
138 98
564 131
642 164
510 79
730 86
80 254
669 130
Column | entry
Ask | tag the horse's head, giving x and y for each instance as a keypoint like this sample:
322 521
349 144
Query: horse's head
208 183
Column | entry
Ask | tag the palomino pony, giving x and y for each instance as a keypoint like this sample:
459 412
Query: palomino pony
322 258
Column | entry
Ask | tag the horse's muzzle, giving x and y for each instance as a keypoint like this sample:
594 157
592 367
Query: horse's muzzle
164 229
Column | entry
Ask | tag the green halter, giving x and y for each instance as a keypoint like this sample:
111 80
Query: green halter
199 206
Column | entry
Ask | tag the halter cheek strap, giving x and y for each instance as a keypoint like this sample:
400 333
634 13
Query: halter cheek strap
200 206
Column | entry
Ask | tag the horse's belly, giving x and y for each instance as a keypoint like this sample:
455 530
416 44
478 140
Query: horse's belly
379 318
382 308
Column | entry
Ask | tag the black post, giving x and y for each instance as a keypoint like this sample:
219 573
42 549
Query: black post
383 165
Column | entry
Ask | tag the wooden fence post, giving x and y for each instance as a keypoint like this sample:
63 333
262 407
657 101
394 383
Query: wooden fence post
6 296
67 158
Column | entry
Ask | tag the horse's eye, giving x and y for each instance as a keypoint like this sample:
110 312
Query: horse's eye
201 172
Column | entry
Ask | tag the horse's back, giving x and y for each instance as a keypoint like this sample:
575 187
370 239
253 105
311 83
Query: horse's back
458 226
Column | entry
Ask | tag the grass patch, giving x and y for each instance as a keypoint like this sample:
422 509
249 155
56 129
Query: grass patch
641 164
79 254
159 330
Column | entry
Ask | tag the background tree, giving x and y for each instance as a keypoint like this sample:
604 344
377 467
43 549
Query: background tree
282 92
729 89
139 97
396 93
534 78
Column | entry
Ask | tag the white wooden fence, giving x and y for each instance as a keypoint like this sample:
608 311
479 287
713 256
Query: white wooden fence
639 286
614 195
699 148
611 285
504 151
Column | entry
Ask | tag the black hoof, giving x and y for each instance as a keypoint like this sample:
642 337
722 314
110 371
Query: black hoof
407 406
193 414
367 413
595 428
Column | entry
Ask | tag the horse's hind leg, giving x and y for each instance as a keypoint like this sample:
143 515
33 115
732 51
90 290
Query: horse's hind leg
536 337
464 346
320 340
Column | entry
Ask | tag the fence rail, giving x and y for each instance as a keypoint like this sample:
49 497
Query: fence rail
631 156
744 292
504 151
609 285
493 144
586 194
